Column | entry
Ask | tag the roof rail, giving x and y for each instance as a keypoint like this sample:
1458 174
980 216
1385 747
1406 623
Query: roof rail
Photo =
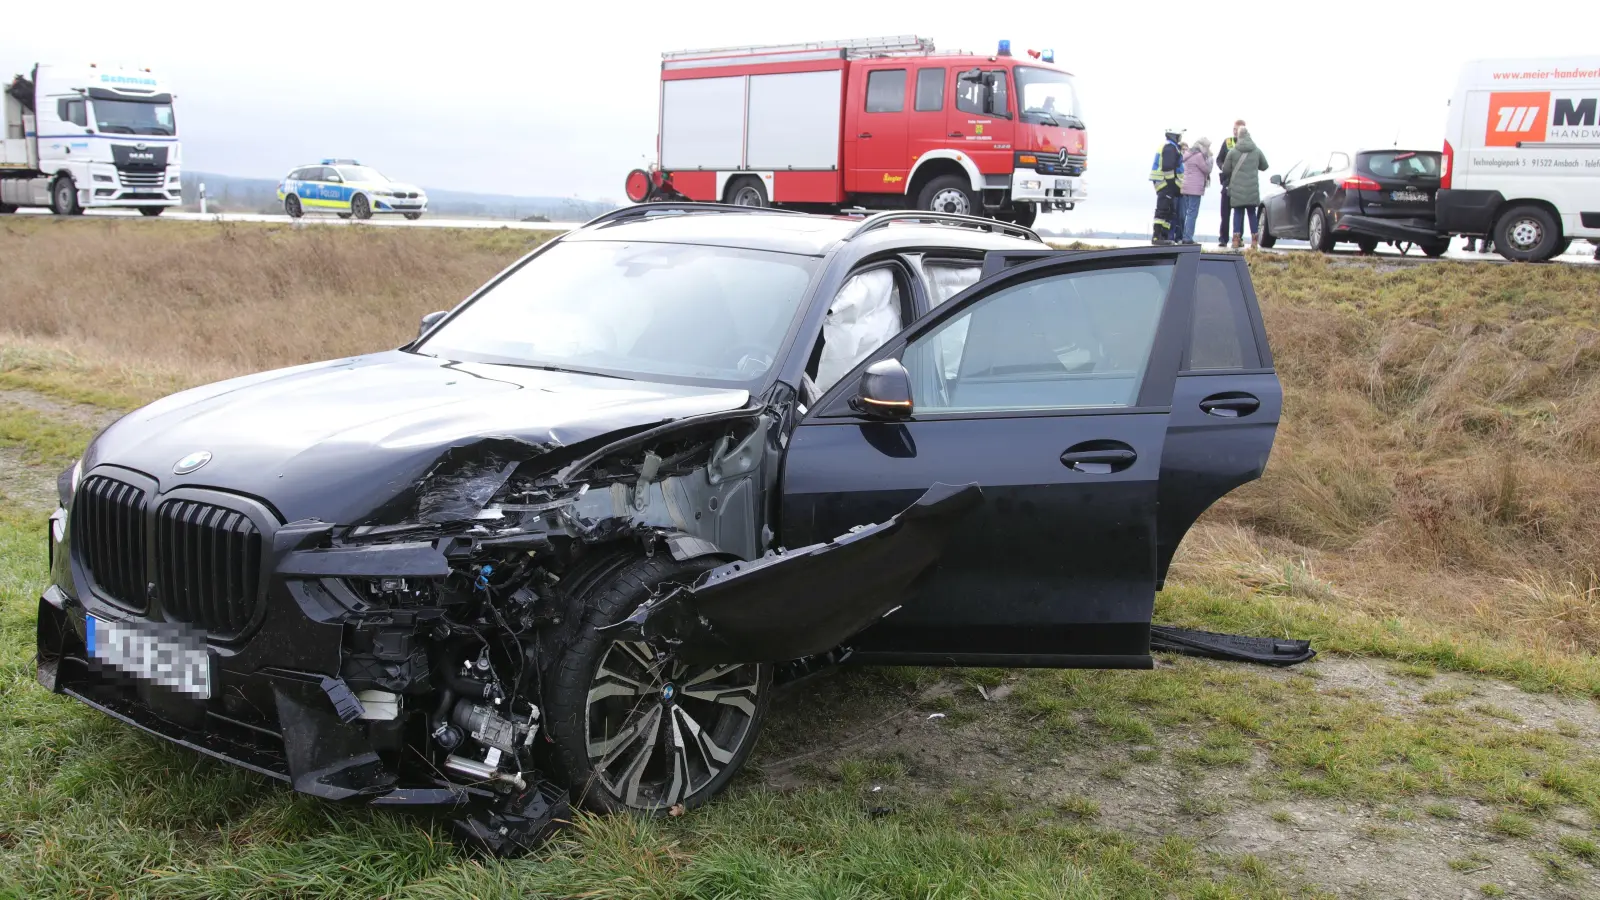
882 220
668 207
895 45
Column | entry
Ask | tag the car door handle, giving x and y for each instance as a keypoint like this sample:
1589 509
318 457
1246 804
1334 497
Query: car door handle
1099 457
864 134
955 134
1230 405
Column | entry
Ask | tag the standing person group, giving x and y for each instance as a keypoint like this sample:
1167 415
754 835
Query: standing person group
1181 174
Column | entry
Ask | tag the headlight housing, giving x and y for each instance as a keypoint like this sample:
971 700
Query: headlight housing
67 484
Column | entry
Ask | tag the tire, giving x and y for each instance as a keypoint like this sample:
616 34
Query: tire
1527 234
1566 244
291 205
1024 214
343 215
64 197
361 207
1367 245
413 216
592 740
1265 236
948 193
152 211
1435 249
1317 231
7 209
748 191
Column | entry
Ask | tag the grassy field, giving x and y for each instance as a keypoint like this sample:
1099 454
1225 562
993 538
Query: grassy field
1430 518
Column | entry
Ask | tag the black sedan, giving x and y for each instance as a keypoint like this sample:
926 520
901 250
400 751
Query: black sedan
1368 198
561 546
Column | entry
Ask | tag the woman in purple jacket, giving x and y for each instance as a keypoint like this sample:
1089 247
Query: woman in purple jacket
1196 176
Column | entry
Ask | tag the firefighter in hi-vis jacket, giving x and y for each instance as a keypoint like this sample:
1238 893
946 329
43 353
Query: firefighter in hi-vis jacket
1166 173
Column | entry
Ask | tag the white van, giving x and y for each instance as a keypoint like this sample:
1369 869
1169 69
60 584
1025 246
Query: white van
1522 155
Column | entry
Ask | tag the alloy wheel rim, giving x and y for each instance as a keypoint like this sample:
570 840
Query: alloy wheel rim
659 731
1316 231
951 200
1526 234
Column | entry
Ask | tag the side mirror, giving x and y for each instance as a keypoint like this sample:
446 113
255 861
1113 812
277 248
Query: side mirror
973 74
334 179
1277 180
430 320
884 391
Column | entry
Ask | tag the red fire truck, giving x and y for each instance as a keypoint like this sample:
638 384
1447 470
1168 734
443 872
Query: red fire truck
884 123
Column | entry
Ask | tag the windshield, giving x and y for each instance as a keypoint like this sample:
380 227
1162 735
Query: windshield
361 173
1045 94
134 117
704 314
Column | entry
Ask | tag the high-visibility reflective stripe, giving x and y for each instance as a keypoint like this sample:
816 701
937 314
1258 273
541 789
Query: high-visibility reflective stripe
1163 223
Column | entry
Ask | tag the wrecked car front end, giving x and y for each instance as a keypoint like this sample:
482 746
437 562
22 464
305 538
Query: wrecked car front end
396 661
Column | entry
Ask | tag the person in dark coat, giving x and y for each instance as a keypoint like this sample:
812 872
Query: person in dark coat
1222 173
1245 165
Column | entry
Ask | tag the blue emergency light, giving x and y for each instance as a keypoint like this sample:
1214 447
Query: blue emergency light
1005 48
1048 56
340 162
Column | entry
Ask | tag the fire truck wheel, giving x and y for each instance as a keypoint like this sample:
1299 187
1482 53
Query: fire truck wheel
950 194
747 191
1024 214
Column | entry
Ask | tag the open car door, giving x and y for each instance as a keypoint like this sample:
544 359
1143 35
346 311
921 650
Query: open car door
1014 497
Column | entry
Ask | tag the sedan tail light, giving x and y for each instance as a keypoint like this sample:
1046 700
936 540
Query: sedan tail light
1361 183
1446 165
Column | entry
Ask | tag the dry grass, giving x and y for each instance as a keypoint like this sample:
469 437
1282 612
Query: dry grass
207 300
1439 457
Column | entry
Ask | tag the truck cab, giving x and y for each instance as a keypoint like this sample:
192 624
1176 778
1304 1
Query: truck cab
90 137
879 123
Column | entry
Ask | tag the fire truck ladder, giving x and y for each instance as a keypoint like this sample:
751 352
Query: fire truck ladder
858 48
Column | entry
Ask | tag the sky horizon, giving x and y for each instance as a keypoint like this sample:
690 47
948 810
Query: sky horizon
503 99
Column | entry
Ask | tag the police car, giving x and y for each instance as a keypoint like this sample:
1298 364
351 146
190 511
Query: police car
348 188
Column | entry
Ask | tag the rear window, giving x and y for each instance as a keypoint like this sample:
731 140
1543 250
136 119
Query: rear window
1400 164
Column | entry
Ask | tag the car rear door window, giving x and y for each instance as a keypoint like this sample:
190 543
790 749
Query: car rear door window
886 90
1221 335
1076 340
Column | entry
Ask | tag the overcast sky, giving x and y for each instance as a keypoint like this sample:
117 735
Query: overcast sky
510 97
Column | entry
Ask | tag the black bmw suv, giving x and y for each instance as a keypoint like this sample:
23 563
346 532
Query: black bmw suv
563 544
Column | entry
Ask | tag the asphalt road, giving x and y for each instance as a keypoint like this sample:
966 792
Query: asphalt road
1581 253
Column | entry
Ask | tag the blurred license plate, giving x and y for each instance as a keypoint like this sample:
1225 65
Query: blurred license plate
1408 196
152 651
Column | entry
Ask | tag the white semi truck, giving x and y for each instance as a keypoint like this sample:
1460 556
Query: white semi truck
88 137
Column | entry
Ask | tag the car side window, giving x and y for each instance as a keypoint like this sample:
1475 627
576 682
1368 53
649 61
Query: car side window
1071 341
74 111
886 90
863 316
1220 333
930 90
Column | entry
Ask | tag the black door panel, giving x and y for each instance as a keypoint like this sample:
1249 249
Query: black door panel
1053 561
1208 455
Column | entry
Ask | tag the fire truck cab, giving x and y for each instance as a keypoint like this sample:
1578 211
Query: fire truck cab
883 123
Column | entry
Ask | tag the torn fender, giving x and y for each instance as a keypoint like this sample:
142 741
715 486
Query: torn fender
807 600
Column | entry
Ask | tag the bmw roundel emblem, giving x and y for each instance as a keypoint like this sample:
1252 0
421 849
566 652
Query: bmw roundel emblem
192 462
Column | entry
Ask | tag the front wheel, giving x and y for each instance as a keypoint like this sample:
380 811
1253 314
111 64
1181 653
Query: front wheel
636 729
291 205
1024 214
343 215
1435 249
64 197
360 207
1317 231
1527 234
413 216
152 211
1267 238
948 194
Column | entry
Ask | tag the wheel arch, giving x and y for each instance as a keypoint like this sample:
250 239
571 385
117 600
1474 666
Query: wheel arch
935 163
1512 203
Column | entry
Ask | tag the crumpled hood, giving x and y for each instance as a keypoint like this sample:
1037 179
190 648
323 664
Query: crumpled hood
336 440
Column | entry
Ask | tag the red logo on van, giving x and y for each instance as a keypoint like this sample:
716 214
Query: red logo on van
1515 117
